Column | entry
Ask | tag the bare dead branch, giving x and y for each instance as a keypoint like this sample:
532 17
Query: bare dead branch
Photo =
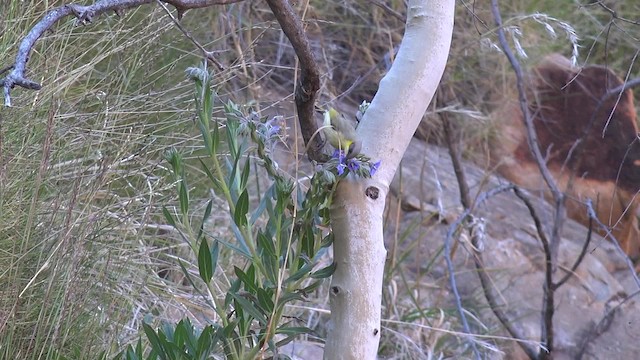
84 15
532 137
463 186
548 309
307 88
389 10
628 262
614 14
496 308
206 53
465 200
447 254
579 259
603 325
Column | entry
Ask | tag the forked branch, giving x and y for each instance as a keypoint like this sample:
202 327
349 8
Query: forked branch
84 15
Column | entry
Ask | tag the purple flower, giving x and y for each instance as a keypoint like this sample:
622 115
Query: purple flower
374 167
273 130
340 168
353 165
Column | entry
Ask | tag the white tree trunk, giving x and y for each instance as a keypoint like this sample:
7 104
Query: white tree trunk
356 215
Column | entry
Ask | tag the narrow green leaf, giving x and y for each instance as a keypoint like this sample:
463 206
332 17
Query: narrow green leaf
187 275
215 139
327 241
205 267
183 197
242 208
265 300
324 272
204 343
261 207
180 335
250 308
304 270
214 181
206 135
168 216
244 176
215 251
311 287
294 330
205 217
289 297
154 341
247 279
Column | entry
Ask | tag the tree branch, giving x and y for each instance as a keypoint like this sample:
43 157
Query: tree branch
532 137
548 301
84 15
465 199
447 256
309 84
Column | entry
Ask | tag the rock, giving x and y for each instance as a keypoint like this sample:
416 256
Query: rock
514 260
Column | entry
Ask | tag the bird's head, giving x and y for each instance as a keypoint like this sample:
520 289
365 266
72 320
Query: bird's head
353 148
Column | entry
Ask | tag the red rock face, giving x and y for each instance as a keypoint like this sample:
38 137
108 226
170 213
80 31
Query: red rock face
593 151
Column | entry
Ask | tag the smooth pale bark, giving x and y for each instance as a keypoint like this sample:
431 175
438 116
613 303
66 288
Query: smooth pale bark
357 212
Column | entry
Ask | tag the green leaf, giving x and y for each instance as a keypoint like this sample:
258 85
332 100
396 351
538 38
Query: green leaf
215 251
183 197
206 136
247 279
205 217
327 241
187 275
266 198
292 333
180 335
168 216
214 181
311 287
265 299
154 341
249 308
324 272
288 297
244 176
205 266
204 343
304 270
242 208
294 330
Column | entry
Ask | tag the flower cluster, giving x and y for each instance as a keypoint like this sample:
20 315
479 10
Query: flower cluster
359 165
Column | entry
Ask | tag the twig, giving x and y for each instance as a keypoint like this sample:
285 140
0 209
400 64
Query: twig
463 187
614 14
84 15
532 137
496 308
619 94
548 308
579 259
592 215
307 88
206 53
447 255
389 10
485 281
603 325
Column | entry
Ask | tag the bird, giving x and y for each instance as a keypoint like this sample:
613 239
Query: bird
340 133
